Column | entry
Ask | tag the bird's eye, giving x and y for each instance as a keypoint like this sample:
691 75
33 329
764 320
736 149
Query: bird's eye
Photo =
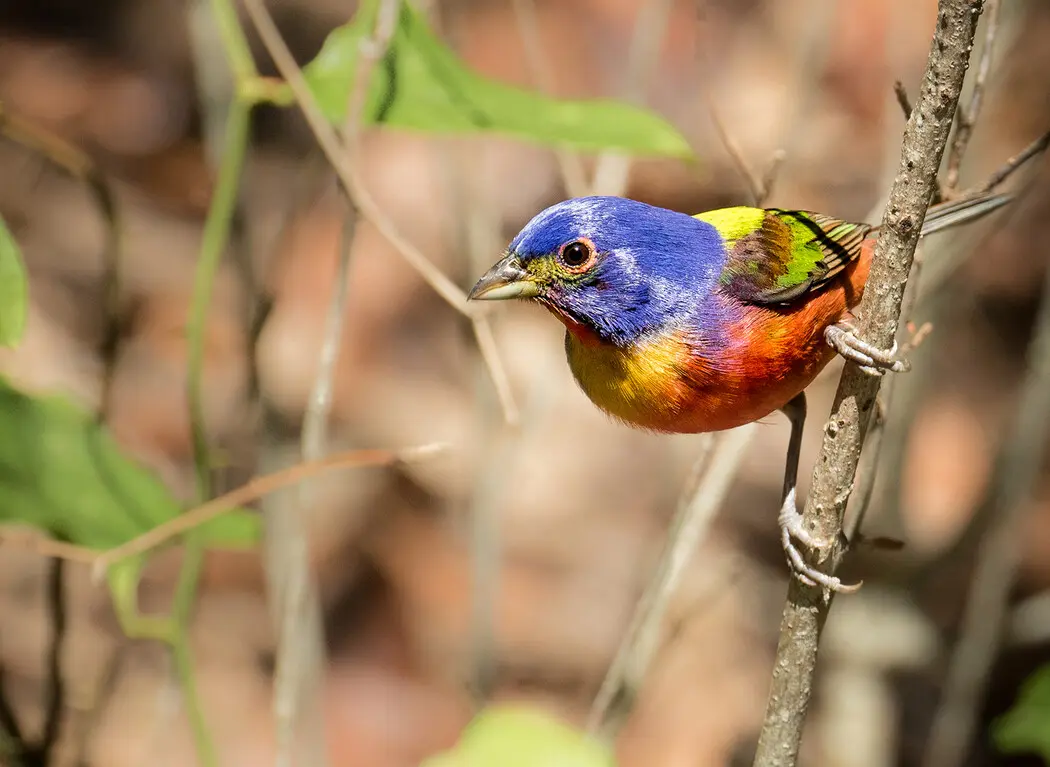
576 254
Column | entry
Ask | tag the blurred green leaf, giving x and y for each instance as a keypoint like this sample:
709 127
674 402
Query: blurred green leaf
62 472
13 289
518 736
1025 728
421 84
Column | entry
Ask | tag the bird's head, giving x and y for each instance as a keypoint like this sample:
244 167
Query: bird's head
608 265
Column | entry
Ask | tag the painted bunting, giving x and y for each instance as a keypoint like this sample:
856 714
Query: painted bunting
696 323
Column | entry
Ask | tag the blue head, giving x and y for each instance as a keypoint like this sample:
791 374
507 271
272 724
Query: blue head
621 268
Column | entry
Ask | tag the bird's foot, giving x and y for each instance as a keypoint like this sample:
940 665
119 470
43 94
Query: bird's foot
792 531
842 337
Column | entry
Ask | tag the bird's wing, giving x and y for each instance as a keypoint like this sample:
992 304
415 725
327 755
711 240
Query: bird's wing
776 256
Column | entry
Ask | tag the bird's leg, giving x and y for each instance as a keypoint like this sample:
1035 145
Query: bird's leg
842 337
790 520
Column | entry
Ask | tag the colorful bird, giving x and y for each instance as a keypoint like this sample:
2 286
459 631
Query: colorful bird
687 324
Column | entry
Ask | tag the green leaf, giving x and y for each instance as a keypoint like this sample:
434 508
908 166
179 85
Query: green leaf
421 84
62 472
13 289
1025 728
520 736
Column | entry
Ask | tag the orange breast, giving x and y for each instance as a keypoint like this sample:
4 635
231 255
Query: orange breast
772 354
775 354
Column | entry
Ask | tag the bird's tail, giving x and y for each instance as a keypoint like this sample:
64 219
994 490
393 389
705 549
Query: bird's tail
948 214
945 215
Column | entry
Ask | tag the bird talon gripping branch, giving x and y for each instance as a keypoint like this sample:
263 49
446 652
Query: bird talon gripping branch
792 531
688 324
872 360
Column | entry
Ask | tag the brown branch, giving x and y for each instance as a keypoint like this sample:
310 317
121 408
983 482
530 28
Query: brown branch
1010 166
923 147
902 98
760 186
257 488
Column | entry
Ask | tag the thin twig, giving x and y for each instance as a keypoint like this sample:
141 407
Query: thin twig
1010 166
79 165
301 648
756 185
255 489
1014 480
807 607
760 186
902 98
711 479
348 175
967 116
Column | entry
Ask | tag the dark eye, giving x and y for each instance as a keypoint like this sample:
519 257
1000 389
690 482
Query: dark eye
576 254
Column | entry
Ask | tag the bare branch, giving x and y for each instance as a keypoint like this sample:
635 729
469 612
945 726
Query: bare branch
758 186
807 607
711 479
967 117
902 98
256 488
1010 166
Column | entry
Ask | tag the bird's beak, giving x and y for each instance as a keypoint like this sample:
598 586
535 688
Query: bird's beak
507 279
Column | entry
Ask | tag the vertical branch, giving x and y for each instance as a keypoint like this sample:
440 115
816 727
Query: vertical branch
967 117
571 166
711 479
924 142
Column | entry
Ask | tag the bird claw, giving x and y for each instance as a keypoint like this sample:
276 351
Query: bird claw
872 360
792 530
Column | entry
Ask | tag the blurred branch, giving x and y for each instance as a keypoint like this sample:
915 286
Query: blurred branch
612 170
1010 166
56 687
12 745
923 146
571 165
364 202
255 489
709 482
760 186
1013 482
967 116
79 165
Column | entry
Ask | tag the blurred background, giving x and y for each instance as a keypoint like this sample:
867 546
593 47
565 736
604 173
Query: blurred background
580 504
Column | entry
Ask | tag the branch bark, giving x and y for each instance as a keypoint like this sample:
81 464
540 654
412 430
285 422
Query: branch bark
923 147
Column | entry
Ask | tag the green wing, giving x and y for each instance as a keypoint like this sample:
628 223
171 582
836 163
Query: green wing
776 256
